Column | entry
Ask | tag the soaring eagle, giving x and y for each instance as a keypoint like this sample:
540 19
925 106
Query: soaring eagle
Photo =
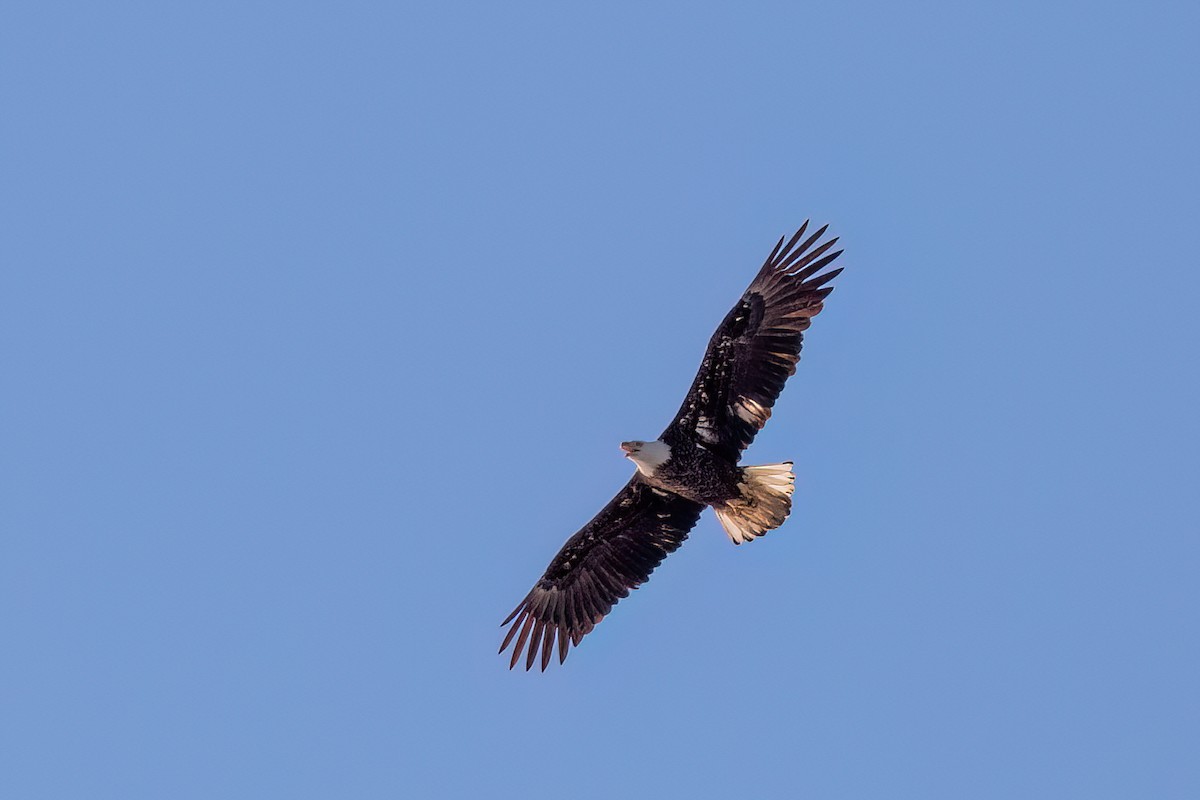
693 464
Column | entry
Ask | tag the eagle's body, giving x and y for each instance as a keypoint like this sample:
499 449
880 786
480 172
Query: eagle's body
691 471
693 463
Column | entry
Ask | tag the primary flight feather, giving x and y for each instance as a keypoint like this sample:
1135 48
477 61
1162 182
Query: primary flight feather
693 464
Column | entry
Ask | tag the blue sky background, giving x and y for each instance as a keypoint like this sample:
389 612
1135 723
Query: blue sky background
321 325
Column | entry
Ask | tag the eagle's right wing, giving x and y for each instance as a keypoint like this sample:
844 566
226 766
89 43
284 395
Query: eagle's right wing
755 348
612 554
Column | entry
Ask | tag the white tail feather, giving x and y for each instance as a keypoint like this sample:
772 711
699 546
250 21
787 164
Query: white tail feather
765 502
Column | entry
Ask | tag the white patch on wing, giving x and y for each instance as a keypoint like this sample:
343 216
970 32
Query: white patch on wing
752 411
705 429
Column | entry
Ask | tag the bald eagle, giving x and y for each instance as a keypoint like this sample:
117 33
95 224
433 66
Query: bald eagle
693 464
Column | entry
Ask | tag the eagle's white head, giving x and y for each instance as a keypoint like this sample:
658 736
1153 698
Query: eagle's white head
648 456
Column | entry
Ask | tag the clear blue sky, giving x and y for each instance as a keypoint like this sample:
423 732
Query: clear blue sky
321 325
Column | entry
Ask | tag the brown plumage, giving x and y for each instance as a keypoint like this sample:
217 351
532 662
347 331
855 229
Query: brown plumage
748 360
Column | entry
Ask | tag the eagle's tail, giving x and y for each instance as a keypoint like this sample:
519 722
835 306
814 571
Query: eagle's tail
765 502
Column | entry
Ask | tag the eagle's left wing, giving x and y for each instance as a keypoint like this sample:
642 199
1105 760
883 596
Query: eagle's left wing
612 554
755 349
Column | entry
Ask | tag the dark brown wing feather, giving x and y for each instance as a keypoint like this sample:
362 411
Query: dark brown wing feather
611 555
755 349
